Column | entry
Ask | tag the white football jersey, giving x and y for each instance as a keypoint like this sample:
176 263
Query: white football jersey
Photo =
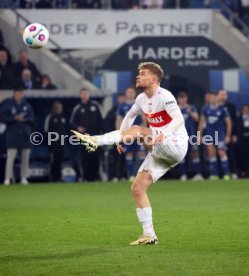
156 110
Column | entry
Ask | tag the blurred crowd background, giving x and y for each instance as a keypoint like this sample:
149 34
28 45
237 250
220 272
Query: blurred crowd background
22 113
240 7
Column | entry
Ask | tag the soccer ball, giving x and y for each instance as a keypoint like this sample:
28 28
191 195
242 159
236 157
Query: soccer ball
35 35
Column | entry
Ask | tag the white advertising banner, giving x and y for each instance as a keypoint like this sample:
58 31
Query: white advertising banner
73 29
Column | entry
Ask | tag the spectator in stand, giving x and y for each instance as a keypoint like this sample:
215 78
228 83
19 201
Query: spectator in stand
89 4
44 4
24 63
1 38
9 4
244 141
2 47
183 4
86 118
19 118
6 71
56 122
245 10
61 4
26 4
231 147
152 4
46 83
27 81
124 4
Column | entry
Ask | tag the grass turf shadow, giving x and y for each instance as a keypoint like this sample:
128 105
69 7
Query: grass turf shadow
58 256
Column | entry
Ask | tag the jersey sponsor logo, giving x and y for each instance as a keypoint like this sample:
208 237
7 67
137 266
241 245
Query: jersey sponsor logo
158 119
212 119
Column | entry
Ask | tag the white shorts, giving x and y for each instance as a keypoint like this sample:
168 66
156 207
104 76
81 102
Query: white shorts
165 156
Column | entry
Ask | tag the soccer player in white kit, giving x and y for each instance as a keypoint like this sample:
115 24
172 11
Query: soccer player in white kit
166 140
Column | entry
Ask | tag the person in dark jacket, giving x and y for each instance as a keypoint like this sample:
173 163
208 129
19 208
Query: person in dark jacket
46 83
19 118
27 80
6 71
117 164
1 38
56 122
44 4
24 63
244 141
86 118
231 148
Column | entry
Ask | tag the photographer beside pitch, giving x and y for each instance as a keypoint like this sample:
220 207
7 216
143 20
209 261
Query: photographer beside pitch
166 139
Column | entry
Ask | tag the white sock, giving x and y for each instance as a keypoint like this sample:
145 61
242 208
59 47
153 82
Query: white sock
110 138
145 217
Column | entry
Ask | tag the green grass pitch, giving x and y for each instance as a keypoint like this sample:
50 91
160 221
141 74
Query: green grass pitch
85 229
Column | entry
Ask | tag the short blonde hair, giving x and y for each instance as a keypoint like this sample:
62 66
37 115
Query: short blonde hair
154 69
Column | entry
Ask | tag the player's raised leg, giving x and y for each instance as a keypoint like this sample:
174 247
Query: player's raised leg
143 208
113 137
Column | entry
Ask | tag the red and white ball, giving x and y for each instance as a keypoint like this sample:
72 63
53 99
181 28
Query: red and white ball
35 35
